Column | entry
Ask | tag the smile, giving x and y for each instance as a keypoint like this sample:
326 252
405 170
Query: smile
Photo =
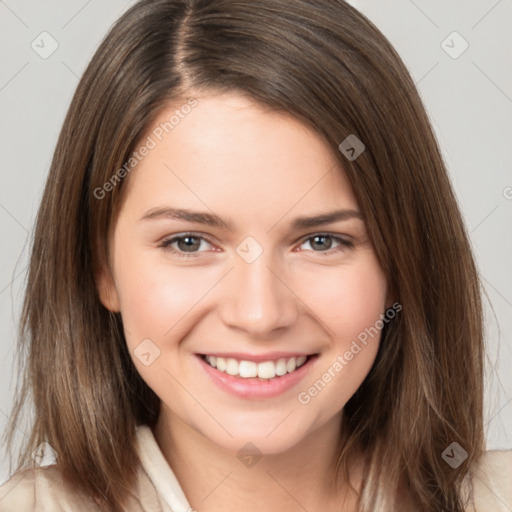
265 376
250 369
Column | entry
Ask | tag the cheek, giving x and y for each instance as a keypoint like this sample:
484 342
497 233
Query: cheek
347 299
156 297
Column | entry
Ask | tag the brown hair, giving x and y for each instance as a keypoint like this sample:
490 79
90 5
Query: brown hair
327 65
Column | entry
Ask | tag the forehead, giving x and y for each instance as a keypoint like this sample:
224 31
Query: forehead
228 152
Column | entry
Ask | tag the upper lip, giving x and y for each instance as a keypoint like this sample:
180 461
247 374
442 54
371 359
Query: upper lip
258 358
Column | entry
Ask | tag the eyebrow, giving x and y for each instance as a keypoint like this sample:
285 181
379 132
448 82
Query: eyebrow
210 219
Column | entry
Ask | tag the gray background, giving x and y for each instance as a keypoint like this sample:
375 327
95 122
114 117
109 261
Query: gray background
469 100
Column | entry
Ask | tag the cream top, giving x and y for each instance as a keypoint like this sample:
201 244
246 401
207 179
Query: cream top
158 490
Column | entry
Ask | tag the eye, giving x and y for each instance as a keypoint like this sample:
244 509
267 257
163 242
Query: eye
187 245
324 243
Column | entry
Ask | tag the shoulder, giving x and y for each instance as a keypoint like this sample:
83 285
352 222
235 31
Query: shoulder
18 493
41 489
491 480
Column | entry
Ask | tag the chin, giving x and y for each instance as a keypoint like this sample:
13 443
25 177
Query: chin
264 437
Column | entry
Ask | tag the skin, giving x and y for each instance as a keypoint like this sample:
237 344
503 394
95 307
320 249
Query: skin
260 170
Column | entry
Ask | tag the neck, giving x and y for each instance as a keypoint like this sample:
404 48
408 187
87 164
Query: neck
213 478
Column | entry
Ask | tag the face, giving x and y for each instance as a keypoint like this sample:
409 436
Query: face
239 244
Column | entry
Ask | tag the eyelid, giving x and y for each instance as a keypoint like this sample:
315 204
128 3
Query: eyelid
166 242
338 236
344 243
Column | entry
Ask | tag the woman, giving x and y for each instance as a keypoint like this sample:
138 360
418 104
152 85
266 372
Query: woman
249 272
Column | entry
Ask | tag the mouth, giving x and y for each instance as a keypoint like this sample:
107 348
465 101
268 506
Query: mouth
256 378
263 370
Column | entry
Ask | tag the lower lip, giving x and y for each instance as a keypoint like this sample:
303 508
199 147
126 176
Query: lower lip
253 388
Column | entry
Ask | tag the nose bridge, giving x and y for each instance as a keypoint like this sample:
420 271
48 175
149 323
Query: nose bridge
257 300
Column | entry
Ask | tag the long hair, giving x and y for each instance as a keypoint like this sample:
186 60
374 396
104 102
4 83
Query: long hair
328 66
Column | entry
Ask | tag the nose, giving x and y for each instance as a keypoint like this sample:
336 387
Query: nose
258 299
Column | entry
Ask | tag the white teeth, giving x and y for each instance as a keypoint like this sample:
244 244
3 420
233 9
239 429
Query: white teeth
232 367
281 367
221 364
300 360
267 370
247 369
250 369
291 364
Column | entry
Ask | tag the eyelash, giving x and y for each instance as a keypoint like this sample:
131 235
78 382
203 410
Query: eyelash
166 244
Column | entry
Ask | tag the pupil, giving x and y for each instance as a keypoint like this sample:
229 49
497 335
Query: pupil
322 238
185 244
319 241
